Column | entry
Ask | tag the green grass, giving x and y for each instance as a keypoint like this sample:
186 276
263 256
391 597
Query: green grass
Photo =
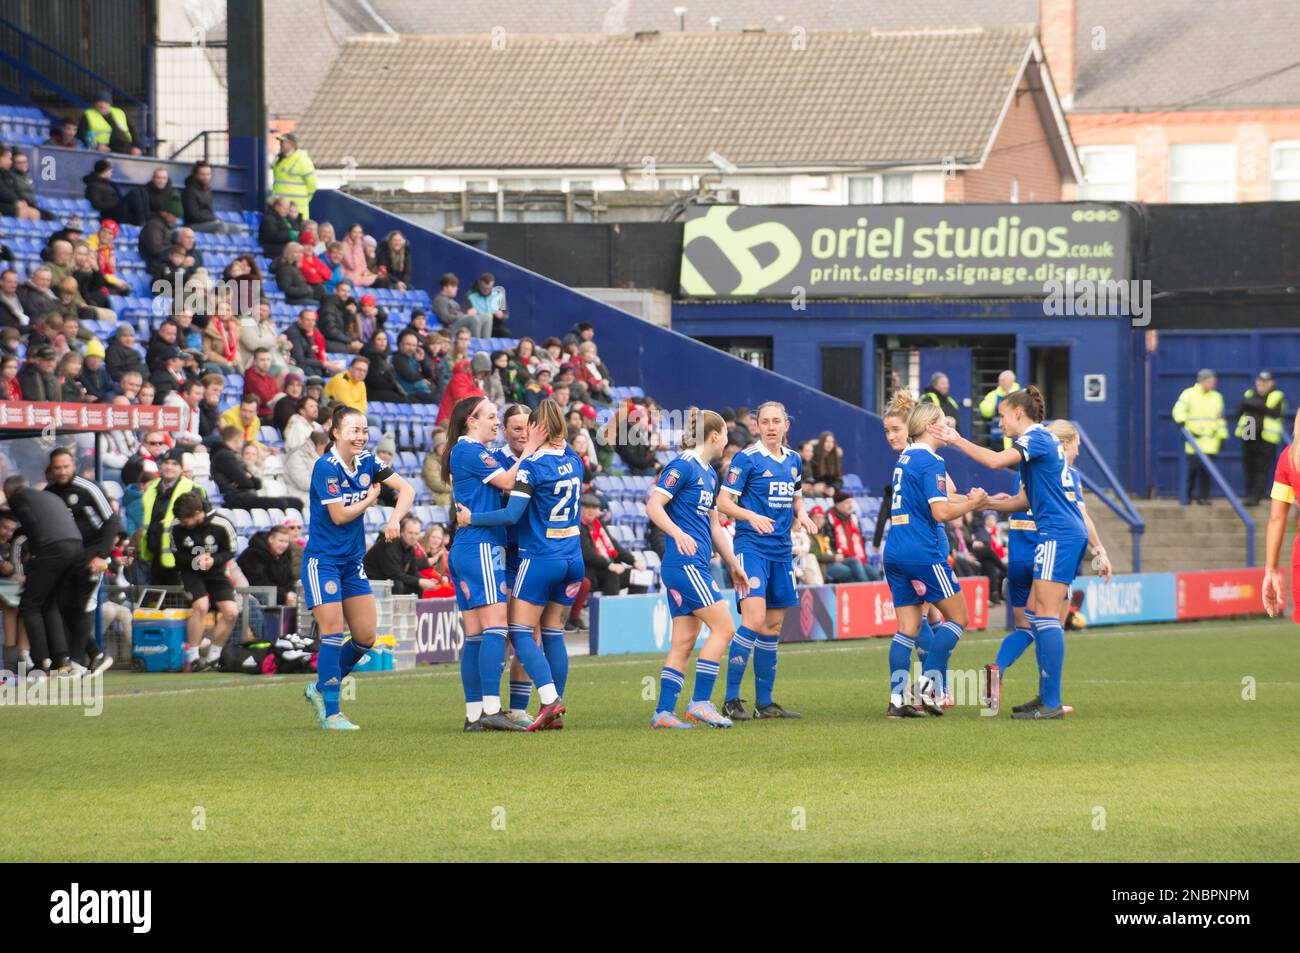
1163 742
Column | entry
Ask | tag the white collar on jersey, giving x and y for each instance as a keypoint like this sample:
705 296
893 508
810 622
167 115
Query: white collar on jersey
926 447
695 455
356 461
550 451
464 437
760 447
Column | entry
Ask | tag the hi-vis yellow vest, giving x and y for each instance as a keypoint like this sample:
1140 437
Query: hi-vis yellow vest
167 558
1201 412
295 179
1270 430
100 130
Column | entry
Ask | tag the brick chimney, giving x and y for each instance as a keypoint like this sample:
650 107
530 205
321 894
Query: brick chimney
1058 27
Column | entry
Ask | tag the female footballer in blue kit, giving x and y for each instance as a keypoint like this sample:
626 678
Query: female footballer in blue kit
345 482
1020 564
1046 485
477 559
514 426
916 562
762 494
894 420
682 504
547 495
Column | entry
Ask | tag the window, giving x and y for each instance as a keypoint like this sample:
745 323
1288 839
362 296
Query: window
674 183
897 187
530 185
1109 173
862 190
1284 171
479 185
1202 172
582 185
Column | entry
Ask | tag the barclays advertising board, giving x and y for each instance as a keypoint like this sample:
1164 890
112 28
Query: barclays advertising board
1140 597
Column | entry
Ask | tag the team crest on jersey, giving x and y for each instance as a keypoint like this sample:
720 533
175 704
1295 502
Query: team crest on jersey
733 474
753 582
72 499
677 597
670 481
572 588
487 459
332 487
331 587
794 473
919 586
364 480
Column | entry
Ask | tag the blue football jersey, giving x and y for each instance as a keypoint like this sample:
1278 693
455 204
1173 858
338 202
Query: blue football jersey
915 536
472 465
691 486
506 457
1076 494
767 485
550 526
332 482
1022 533
1047 481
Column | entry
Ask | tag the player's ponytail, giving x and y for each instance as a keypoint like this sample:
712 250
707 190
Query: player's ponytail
548 416
921 417
341 413
700 426
456 427
900 406
1030 400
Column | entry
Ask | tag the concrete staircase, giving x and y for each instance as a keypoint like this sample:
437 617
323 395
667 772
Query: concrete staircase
1185 537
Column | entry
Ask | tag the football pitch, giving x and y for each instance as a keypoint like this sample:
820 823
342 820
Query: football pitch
1184 746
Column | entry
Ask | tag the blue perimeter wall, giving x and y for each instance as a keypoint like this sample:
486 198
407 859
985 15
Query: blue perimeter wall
1097 346
676 370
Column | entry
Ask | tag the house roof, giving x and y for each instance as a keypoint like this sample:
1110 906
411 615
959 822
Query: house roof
851 97
1170 54
1156 54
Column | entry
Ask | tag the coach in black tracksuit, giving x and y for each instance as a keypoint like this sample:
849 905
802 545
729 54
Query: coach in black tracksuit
99 527
55 546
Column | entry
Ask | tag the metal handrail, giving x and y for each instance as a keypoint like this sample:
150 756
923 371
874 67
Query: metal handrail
1124 508
28 72
1221 483
204 134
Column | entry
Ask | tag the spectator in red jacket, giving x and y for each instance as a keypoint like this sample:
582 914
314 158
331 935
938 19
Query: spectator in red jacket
591 372
462 384
846 537
313 269
260 382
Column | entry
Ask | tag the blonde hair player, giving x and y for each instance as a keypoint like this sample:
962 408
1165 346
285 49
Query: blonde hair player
762 493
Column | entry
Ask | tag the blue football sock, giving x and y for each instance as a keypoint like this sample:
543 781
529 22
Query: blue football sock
520 692
1012 647
469 677
531 656
349 656
327 671
946 636
764 668
557 656
924 639
671 682
900 665
491 661
1050 639
706 673
742 643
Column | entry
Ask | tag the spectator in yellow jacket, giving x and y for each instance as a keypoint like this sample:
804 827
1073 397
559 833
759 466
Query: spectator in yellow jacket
1200 410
